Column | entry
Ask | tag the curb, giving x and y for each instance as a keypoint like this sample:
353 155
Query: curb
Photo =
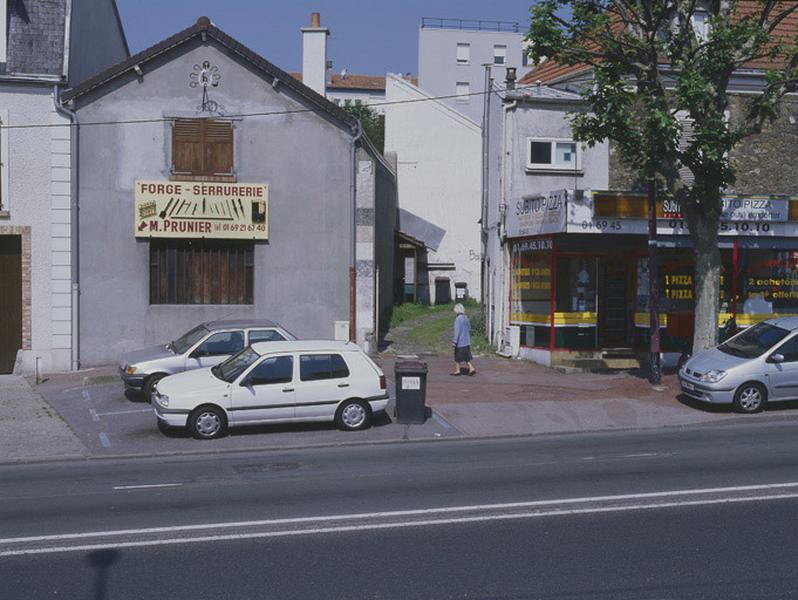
735 421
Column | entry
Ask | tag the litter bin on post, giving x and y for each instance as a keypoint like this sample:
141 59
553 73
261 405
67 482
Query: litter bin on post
411 391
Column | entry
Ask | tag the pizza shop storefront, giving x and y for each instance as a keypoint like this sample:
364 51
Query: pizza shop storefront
578 285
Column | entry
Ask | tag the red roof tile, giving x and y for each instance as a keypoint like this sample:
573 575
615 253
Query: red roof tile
550 71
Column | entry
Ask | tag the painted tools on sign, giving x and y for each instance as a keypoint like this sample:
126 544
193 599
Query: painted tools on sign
165 210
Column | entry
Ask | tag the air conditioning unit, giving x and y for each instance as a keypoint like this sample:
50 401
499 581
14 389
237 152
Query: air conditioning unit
512 340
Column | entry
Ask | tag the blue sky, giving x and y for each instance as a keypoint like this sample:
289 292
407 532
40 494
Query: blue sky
370 37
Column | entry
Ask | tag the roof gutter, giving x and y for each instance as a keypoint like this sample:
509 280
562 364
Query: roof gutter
74 237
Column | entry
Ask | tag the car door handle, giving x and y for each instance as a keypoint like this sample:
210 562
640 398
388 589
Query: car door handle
343 385
288 389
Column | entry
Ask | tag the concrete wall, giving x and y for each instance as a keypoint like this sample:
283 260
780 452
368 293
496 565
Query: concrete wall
96 39
36 177
301 274
439 153
439 72
385 225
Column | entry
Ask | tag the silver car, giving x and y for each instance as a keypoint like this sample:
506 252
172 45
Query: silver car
206 345
756 366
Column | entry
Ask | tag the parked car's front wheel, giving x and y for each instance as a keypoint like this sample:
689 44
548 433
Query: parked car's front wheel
207 423
149 385
353 415
750 397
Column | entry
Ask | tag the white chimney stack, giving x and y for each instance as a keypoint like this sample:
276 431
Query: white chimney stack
314 55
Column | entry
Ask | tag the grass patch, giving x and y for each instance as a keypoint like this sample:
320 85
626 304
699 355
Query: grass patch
431 327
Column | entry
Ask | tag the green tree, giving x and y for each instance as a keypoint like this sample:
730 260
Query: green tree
654 71
373 122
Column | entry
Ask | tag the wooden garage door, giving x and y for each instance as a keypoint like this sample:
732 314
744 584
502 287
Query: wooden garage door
10 300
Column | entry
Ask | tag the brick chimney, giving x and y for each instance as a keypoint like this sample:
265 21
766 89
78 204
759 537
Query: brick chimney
314 54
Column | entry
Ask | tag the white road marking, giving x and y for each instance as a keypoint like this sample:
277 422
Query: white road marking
427 511
145 486
106 443
397 525
86 395
125 412
94 416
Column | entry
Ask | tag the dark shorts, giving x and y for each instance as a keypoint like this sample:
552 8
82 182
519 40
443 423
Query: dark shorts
462 354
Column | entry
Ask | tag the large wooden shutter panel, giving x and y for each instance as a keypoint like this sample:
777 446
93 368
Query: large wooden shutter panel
218 148
187 146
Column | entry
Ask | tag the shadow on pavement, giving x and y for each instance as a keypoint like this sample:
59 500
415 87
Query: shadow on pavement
102 560
381 419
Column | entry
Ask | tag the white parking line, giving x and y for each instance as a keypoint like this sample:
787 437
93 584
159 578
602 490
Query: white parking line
124 412
106 443
145 486
94 416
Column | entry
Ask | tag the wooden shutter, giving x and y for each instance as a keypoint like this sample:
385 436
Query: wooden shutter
218 148
187 146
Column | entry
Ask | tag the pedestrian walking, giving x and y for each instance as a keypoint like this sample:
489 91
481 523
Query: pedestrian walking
462 342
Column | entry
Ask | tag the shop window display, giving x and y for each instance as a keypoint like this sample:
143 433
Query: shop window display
767 284
530 294
576 284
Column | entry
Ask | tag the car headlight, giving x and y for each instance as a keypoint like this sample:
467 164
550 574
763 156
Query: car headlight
713 376
162 399
130 369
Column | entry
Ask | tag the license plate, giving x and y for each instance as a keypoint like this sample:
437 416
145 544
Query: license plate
687 385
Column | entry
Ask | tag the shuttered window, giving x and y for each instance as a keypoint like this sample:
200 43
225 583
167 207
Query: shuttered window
201 271
202 147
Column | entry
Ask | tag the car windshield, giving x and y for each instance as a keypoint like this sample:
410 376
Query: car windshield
230 369
184 342
754 341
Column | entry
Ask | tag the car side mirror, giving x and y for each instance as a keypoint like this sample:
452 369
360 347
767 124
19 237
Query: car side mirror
246 382
776 358
196 353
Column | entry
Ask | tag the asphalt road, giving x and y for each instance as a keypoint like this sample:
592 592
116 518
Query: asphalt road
696 513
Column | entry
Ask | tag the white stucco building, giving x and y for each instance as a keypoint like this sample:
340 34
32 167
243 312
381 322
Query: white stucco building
43 47
439 159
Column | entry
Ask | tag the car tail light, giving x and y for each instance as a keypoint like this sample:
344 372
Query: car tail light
382 382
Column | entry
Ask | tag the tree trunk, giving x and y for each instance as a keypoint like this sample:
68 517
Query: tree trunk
704 234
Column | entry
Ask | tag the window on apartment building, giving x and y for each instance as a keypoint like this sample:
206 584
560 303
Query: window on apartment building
499 54
462 90
552 154
202 147
463 54
701 25
201 271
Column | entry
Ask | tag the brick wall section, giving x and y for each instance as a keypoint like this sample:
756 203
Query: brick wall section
36 36
23 231
765 163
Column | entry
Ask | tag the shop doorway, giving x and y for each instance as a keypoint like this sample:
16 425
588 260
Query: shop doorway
10 300
614 312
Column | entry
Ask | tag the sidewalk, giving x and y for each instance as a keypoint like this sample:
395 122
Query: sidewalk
31 428
86 414
515 397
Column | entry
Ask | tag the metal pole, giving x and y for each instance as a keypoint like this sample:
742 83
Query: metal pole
655 374
485 193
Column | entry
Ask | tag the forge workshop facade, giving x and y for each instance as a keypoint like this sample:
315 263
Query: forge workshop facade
214 185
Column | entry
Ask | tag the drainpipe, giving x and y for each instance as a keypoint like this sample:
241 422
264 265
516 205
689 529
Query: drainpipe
358 133
497 332
74 226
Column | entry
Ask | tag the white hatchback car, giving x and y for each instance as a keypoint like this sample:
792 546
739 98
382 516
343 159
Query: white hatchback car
271 382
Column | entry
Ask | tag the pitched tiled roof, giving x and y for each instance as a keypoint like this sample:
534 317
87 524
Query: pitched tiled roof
204 27
369 83
550 71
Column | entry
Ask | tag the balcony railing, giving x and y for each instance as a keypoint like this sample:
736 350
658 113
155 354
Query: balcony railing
469 24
